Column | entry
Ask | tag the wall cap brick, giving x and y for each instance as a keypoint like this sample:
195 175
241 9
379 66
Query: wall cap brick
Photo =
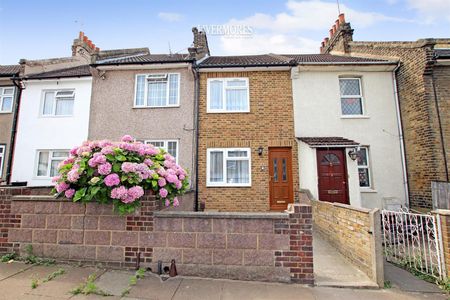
223 215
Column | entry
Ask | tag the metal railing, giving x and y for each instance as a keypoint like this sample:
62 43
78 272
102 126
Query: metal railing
414 241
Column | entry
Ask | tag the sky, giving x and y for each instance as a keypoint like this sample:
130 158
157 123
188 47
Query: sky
37 29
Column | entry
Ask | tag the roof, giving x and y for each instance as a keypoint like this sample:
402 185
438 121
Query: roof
327 141
442 53
144 58
285 60
9 70
79 71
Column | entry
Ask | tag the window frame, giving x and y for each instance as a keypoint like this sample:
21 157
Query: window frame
224 88
224 168
49 160
2 158
368 167
363 110
135 105
166 146
54 115
2 88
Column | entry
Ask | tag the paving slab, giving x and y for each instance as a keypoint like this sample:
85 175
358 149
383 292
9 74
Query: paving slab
334 270
114 282
15 287
61 286
9 269
406 281
152 287
199 289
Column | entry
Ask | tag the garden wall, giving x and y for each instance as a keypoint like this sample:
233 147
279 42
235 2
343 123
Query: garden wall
247 246
354 232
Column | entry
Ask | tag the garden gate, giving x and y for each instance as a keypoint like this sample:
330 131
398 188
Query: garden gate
413 241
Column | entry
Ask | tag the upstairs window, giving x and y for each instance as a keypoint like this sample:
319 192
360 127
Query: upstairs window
351 97
228 95
48 161
169 146
6 99
2 158
157 90
228 167
364 167
58 103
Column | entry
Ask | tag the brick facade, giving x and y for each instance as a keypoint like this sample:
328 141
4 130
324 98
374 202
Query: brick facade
444 217
354 232
270 123
415 78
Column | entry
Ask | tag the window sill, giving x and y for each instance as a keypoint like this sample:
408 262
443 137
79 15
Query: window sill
5 112
228 112
57 117
355 117
227 185
166 106
367 190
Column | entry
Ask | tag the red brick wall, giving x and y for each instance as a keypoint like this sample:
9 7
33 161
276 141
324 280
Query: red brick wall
263 247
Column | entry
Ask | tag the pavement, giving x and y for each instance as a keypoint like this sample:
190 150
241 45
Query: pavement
16 283
331 269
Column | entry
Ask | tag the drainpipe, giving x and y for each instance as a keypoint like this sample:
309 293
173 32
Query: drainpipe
400 133
438 113
195 70
12 142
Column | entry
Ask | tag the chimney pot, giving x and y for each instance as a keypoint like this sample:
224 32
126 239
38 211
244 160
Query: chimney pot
81 35
323 44
326 40
85 39
321 49
337 24
341 18
334 29
97 49
331 32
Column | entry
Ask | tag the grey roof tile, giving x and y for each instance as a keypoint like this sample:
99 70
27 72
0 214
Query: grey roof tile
145 59
327 141
9 70
79 71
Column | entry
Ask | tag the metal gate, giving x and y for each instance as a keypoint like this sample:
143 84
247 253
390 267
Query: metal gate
413 240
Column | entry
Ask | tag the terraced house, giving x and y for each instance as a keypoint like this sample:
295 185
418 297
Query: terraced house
423 79
9 95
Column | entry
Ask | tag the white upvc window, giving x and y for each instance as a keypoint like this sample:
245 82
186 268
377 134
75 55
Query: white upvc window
2 158
228 95
228 167
47 162
351 97
157 90
58 103
365 180
170 146
6 99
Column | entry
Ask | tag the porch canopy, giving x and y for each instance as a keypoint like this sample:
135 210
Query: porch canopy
328 142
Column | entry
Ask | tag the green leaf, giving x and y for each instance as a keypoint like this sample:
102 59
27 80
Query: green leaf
79 194
121 158
116 167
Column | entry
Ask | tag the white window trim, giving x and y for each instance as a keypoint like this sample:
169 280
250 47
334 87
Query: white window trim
367 166
224 80
225 157
50 156
166 146
54 115
2 96
2 162
360 116
146 91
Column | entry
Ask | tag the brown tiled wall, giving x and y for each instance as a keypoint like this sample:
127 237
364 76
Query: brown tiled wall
244 248
355 233
423 144
270 123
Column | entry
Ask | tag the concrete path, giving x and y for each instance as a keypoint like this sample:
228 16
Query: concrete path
331 269
406 281
16 279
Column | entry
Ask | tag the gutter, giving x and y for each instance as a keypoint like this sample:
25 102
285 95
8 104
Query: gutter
58 77
400 133
12 143
142 63
195 71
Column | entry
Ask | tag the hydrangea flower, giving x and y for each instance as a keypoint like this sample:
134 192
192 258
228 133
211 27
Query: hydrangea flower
112 179
104 169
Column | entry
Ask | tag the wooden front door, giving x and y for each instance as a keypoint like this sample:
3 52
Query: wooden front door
280 172
332 173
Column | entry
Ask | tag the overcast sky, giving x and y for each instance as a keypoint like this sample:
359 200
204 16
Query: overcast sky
43 29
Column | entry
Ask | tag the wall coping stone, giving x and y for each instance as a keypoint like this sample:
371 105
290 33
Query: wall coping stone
37 198
346 206
223 215
444 212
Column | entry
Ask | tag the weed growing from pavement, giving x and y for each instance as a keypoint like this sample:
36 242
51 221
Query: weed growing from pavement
35 282
133 281
89 287
387 284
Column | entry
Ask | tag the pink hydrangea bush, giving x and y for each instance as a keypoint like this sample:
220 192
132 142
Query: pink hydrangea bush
107 172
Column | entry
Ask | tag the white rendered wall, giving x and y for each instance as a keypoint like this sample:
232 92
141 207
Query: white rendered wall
318 114
36 132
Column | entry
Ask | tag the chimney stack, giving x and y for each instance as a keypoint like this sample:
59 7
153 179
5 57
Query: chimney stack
83 46
199 48
341 33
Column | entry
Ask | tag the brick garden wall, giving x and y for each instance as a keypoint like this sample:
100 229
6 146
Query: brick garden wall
354 232
248 246
445 230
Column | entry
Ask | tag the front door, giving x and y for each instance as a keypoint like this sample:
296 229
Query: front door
332 173
280 172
